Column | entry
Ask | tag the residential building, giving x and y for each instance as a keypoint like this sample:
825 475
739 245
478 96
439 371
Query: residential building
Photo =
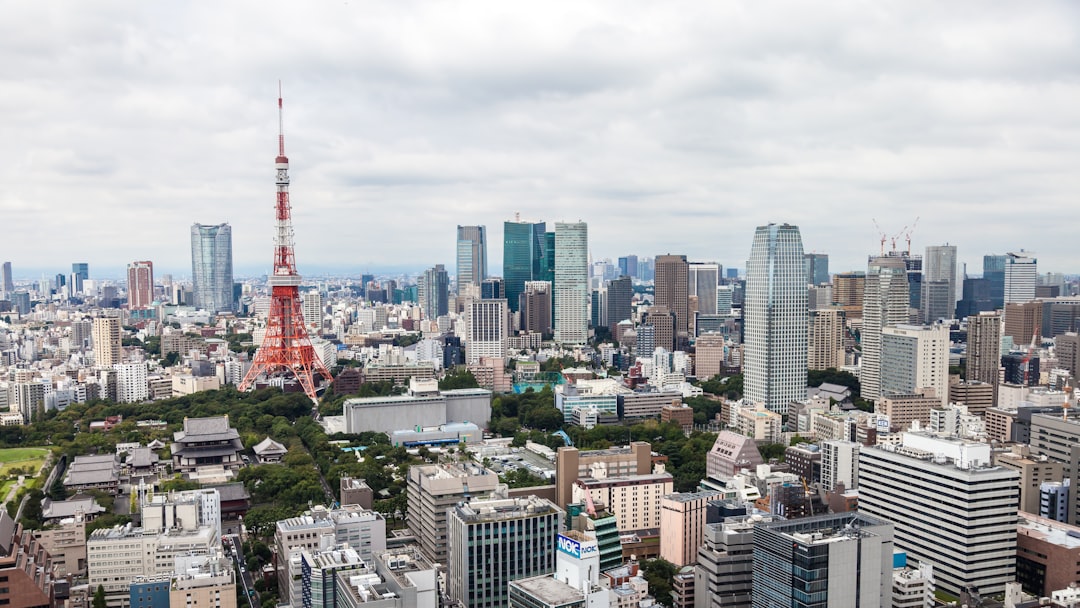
480 567
913 358
825 339
967 533
6 284
839 559
434 292
471 256
775 317
212 267
572 464
571 282
65 541
849 290
432 490
839 464
106 338
1023 322
26 571
140 283
682 525
485 330
312 307
756 422
984 349
885 303
131 382
535 306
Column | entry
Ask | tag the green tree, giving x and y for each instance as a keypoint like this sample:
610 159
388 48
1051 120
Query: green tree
99 598
459 379
658 572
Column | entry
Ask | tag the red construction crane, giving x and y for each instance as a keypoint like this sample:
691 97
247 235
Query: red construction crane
1025 364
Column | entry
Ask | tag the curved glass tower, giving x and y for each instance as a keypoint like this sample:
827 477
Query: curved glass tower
211 267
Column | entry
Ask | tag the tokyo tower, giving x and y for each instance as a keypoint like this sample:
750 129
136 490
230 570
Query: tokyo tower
286 346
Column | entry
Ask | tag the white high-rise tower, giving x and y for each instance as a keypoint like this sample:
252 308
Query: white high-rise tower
885 302
571 282
775 314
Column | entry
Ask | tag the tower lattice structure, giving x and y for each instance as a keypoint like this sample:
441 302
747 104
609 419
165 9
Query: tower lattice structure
286 346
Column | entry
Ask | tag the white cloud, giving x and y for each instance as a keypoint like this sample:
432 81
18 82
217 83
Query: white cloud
667 126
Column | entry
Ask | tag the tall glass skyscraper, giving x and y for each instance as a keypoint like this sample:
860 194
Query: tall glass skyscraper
885 303
524 257
212 266
572 282
471 255
775 316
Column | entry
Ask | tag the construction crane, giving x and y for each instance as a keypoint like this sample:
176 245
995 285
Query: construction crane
907 232
882 234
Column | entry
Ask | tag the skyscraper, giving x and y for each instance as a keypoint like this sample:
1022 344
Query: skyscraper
524 259
703 281
212 266
571 282
471 255
825 339
885 302
434 288
7 284
983 348
140 284
620 293
914 357
671 287
817 268
940 265
936 301
1021 274
628 266
106 336
536 307
485 330
80 271
994 273
775 318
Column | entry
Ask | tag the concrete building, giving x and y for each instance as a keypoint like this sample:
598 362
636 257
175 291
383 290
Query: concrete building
480 570
361 530
977 396
902 410
913 587
724 574
682 525
709 355
756 422
25 568
731 452
1067 348
1047 554
1054 436
913 358
312 307
839 464
634 500
840 559
572 464
849 290
106 337
485 330
958 511
116 556
940 265
1034 471
1023 322
207 582
885 303
535 306
984 348
775 318
432 490
424 405
571 282
672 293
65 541
825 339
817 268
400 578
131 382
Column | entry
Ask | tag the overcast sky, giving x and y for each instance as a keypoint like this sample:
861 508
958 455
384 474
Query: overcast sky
667 126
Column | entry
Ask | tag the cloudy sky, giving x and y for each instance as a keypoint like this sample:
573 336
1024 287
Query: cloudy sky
667 126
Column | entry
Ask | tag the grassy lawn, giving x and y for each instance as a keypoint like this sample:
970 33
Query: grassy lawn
21 458
5 488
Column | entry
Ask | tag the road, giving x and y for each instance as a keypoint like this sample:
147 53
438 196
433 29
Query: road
236 549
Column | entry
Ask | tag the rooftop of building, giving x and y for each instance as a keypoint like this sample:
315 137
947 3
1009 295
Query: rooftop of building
509 508
338 556
321 517
402 561
549 590
692 496
1048 530
831 527
213 428
625 479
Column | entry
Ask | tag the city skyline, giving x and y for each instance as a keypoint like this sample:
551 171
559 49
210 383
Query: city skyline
724 117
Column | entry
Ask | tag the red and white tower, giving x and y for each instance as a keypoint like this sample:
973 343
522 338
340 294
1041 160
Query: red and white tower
286 346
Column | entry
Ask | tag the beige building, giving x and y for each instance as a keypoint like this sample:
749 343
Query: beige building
672 292
1034 471
66 543
572 464
913 358
432 490
682 525
977 396
847 293
825 341
984 348
999 421
708 355
902 410
758 423
106 336
1023 321
205 583
633 499
116 556
187 384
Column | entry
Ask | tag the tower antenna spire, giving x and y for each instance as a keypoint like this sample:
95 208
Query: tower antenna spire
281 122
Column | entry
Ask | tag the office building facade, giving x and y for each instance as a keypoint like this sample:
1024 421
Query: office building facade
1020 276
940 265
524 257
471 256
775 316
915 357
485 330
885 303
817 268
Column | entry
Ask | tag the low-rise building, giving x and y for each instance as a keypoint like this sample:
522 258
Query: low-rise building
207 448
93 473
1047 554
